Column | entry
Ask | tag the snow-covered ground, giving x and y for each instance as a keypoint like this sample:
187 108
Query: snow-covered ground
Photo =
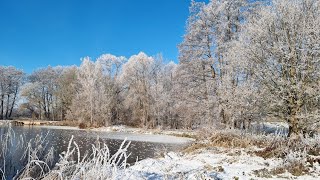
208 164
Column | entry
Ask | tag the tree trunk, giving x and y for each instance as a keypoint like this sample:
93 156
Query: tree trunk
91 110
39 110
293 119
2 104
44 106
13 101
293 126
62 114
7 108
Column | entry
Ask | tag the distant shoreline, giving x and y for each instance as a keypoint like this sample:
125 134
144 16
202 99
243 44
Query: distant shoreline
124 132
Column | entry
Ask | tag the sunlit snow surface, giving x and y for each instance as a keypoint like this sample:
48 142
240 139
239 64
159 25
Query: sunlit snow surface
206 165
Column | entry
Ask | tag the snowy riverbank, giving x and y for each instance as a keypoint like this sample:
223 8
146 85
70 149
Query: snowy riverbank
232 154
211 164
225 155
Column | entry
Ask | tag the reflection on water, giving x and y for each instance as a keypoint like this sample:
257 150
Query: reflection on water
59 139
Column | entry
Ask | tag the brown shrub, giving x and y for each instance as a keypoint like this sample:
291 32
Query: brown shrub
297 169
264 173
195 146
69 123
313 160
229 140
236 140
279 147
226 139
186 135
204 133
278 170
82 126
314 151
270 152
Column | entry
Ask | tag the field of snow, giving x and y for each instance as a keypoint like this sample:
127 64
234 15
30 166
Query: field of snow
209 164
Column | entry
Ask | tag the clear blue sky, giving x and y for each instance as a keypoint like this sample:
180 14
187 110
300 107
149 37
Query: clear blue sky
38 33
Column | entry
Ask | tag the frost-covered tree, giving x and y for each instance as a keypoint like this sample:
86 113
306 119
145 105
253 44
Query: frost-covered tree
238 92
66 90
31 92
163 93
112 66
136 77
11 80
148 91
40 91
210 29
281 45
97 90
89 77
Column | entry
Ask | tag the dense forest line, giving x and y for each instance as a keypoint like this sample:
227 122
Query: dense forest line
240 62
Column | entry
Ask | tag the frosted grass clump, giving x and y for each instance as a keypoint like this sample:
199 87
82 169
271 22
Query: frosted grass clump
100 164
38 159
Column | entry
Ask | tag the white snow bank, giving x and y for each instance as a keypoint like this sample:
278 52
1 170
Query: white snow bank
205 165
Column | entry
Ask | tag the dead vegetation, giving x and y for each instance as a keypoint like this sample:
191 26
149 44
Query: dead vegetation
80 125
234 140
227 139
300 155
185 135
195 147
296 169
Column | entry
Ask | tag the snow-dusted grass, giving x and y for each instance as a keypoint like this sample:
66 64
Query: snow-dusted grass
298 156
37 157
100 164
212 164
232 154
203 165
